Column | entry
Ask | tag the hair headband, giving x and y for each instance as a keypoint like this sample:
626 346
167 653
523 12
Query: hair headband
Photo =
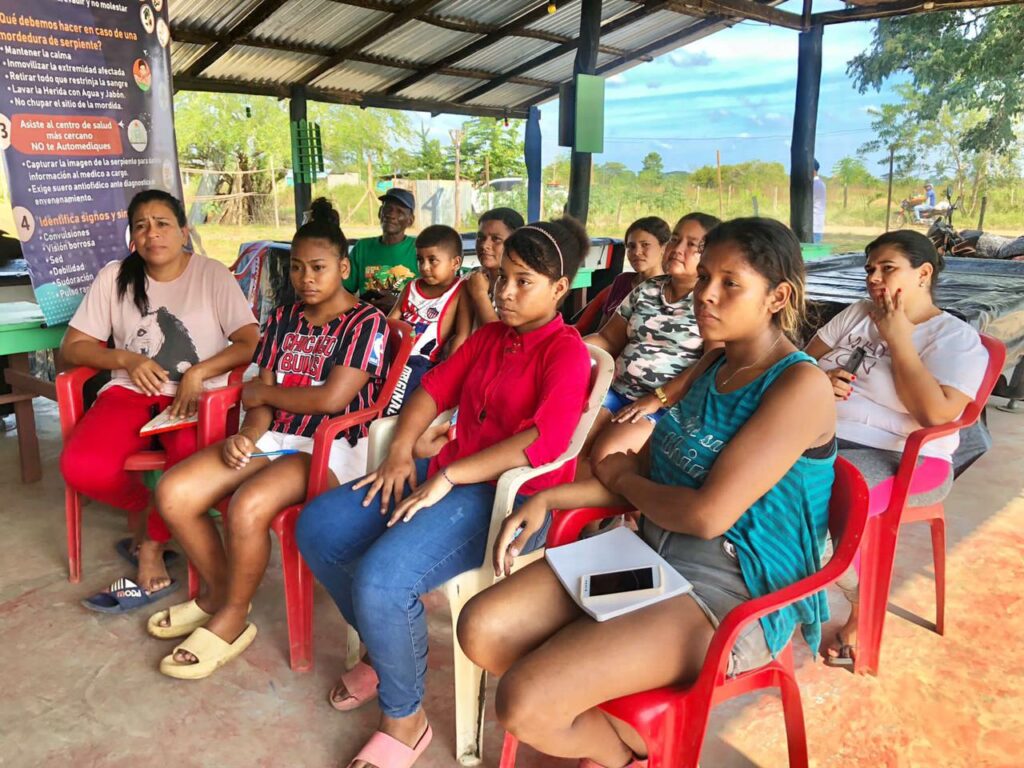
549 236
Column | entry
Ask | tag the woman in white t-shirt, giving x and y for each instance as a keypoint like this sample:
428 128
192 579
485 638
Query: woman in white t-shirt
179 323
920 367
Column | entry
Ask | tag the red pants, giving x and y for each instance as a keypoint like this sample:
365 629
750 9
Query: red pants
94 455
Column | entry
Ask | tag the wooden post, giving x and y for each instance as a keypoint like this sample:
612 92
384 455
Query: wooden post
775 201
457 134
487 181
718 163
581 163
698 197
273 192
756 209
981 213
370 189
888 202
303 190
730 195
805 118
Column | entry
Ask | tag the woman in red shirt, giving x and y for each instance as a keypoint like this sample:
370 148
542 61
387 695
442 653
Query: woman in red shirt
520 385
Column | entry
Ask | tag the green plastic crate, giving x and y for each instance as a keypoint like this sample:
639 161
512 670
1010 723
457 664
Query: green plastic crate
815 251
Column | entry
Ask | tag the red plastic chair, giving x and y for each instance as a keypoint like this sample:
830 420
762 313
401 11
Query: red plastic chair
673 720
587 320
298 580
71 407
879 548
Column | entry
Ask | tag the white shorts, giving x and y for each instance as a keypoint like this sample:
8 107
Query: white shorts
347 462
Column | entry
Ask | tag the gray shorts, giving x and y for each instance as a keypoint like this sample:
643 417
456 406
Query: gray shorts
718 586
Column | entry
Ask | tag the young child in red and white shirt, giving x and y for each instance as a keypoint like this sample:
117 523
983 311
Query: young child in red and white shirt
434 305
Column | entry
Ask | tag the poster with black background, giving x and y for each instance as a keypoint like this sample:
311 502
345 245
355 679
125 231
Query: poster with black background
86 121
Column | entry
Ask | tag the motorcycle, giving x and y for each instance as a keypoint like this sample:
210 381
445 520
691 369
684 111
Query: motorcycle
906 216
971 243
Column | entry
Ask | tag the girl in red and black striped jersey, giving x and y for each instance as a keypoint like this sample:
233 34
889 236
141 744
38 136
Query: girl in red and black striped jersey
323 357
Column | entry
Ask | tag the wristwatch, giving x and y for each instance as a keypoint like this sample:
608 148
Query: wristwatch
660 394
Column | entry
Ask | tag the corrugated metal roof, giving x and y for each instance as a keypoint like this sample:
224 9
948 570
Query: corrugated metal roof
506 54
300 37
440 86
419 42
648 30
507 96
184 55
318 22
211 17
496 13
260 65
359 77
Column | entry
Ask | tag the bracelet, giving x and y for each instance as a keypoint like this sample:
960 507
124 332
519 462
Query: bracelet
444 474
660 394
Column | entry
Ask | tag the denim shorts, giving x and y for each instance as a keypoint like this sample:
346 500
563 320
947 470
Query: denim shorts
713 569
615 402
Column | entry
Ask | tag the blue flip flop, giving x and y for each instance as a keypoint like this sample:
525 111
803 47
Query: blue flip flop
125 548
125 595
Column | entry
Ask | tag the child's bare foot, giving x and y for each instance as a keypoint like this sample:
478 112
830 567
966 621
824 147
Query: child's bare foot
152 575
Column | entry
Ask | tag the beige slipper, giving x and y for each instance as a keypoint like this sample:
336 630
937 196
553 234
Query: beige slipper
211 652
184 619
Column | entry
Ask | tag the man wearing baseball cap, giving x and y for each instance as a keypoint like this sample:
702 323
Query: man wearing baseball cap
393 248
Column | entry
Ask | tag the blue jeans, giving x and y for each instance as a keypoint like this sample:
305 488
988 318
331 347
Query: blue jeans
817 237
376 574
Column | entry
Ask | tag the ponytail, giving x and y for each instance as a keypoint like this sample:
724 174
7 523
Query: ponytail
132 274
323 224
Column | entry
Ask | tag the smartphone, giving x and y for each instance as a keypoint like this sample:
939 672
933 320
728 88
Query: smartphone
638 582
856 358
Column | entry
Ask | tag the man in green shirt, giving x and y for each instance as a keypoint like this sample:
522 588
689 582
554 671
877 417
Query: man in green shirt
392 249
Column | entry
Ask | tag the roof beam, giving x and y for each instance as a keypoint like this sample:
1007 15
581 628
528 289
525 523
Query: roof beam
468 50
901 8
330 96
199 37
465 25
406 14
559 50
253 19
744 9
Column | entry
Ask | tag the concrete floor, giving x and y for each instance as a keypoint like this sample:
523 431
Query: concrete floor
82 689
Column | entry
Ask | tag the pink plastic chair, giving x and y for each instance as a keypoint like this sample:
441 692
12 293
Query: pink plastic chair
878 550
298 580
674 720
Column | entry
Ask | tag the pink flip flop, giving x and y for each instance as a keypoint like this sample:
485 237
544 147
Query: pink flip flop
361 684
387 752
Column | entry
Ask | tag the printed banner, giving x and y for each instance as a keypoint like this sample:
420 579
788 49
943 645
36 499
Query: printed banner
86 121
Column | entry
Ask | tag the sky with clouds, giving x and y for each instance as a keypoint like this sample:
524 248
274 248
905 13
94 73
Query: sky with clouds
733 91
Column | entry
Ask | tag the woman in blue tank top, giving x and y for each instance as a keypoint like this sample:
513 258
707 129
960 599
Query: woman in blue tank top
733 491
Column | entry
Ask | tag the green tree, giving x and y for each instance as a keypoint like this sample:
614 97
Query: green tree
233 134
969 62
490 138
652 166
353 136
849 171
429 156
935 148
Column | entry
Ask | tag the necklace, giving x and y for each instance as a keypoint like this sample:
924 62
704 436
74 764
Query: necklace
732 375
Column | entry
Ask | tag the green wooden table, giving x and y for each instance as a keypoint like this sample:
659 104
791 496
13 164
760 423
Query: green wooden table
23 333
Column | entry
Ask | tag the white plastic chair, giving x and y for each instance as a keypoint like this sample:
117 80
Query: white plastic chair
470 680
